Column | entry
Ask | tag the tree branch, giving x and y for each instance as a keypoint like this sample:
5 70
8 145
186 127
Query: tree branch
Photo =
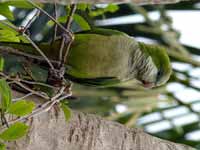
137 2
86 132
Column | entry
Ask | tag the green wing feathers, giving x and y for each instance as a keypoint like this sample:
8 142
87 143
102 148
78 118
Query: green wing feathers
105 32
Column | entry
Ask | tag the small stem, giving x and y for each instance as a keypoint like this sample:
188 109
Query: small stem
33 44
30 90
70 17
9 25
67 26
59 96
43 108
20 53
52 18
23 97
60 92
36 83
3 119
66 52
38 49
55 25
17 81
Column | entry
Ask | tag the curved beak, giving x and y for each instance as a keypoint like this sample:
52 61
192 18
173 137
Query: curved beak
147 84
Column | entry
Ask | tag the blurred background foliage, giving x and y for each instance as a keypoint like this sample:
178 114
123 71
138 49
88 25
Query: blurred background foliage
166 112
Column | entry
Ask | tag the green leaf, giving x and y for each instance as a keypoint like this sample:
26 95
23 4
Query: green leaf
61 19
5 25
21 108
14 132
77 18
82 22
6 12
82 6
100 11
23 39
66 110
2 146
20 4
5 93
1 63
112 8
7 33
8 36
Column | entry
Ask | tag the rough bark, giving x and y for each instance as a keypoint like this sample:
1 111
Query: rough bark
137 2
86 132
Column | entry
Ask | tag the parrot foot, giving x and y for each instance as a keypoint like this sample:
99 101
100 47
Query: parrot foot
56 76
68 37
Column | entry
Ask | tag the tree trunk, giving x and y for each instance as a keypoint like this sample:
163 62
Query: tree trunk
50 131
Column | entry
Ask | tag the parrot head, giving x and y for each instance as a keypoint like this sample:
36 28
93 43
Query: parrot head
156 69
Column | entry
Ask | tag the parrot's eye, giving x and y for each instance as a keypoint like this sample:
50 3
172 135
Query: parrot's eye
159 74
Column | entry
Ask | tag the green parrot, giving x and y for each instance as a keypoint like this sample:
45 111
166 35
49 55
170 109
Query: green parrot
104 57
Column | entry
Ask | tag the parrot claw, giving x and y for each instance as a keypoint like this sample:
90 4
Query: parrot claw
68 37
56 76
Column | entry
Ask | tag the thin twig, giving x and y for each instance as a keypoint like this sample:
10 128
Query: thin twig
17 81
43 108
23 97
9 25
4 75
55 25
36 83
63 42
60 95
68 24
40 94
60 92
3 119
34 113
34 45
52 18
70 16
20 53
38 49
